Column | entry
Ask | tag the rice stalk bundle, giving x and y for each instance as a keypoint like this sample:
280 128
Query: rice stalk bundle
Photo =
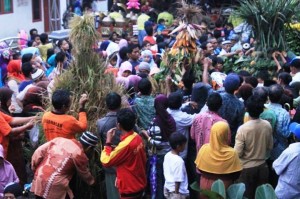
86 75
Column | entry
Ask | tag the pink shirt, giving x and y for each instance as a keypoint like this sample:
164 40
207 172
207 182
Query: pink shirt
200 130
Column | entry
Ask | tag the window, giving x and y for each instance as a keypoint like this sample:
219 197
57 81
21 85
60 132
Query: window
36 10
6 6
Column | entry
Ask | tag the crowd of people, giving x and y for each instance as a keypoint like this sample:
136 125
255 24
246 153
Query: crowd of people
237 127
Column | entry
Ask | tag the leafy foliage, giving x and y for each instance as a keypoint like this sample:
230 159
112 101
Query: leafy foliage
268 20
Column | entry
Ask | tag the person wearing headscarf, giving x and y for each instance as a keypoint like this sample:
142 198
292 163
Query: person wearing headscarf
14 78
14 153
7 172
123 43
217 160
125 69
55 162
148 57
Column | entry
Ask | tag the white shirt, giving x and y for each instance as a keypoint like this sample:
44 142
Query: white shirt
296 78
174 171
287 167
22 94
183 122
13 85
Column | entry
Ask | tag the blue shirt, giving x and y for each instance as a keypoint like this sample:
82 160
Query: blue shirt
23 84
281 132
287 167
232 110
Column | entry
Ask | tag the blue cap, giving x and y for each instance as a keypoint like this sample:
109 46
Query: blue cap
295 129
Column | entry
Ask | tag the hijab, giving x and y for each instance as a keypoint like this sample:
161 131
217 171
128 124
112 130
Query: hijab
5 96
124 67
163 119
134 81
149 53
217 157
14 70
123 43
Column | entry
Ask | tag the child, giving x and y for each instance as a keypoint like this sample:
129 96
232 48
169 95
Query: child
176 182
112 65
161 25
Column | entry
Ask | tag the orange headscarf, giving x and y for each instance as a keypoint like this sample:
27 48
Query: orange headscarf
217 157
14 70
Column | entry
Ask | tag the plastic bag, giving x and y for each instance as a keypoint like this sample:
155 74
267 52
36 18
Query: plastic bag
34 135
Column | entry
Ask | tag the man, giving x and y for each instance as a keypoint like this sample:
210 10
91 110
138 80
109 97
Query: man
226 50
128 157
287 167
144 104
232 109
44 46
207 48
295 70
57 123
55 162
113 103
253 142
200 131
215 45
281 131
183 120
134 55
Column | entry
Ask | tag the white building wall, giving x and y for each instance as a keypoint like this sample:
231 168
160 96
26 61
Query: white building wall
20 19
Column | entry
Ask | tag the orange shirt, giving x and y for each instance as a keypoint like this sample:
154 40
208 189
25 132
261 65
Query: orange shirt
5 129
62 125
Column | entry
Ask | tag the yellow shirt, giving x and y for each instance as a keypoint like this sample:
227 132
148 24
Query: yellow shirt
141 20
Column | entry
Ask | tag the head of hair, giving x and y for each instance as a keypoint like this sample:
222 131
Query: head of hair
245 91
113 101
244 73
295 63
35 36
131 47
217 34
61 99
203 38
263 74
251 80
145 86
219 23
254 106
149 30
261 93
44 38
60 42
27 69
27 57
160 21
175 100
123 53
204 45
159 39
126 118
188 79
176 140
112 35
145 43
31 31
287 98
275 93
214 102
124 34
50 52
60 57
285 77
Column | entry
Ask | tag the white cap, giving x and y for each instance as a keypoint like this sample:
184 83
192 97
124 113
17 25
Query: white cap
37 74
226 42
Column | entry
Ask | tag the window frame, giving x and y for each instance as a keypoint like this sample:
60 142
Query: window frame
32 11
2 7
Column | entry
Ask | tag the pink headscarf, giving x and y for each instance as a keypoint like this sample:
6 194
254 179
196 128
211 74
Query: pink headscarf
123 43
124 67
123 81
134 81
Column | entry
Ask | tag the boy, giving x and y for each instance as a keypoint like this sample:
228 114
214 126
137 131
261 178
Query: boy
176 182
129 157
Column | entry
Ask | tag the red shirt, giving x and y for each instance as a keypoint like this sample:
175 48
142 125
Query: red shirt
5 129
129 158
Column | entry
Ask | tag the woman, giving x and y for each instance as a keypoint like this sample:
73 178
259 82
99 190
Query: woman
125 69
64 46
15 77
15 150
216 160
163 125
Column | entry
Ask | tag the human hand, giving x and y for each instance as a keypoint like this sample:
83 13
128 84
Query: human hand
30 124
110 134
12 108
206 62
83 99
